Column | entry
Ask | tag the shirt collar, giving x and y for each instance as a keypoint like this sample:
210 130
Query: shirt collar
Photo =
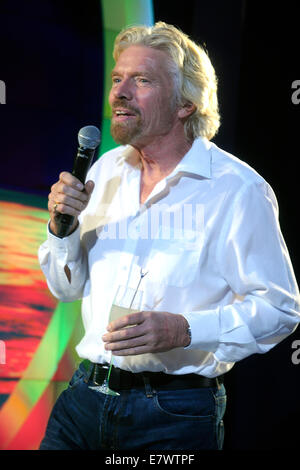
196 161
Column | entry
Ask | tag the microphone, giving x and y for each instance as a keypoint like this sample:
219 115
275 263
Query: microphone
89 139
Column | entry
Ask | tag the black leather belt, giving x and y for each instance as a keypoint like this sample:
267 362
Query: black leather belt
124 380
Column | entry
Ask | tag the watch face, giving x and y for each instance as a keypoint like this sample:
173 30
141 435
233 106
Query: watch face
189 332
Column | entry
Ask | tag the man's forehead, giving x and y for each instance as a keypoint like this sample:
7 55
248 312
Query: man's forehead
141 57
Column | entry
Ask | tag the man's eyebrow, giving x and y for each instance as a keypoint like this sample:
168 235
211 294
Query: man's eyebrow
134 74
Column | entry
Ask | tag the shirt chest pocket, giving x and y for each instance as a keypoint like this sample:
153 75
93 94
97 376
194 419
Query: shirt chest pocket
175 256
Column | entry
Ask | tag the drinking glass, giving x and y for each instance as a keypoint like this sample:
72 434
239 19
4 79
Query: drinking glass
127 300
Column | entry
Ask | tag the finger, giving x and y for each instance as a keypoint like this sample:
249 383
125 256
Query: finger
73 209
124 334
55 207
129 345
63 197
127 320
65 200
89 187
71 180
64 189
52 204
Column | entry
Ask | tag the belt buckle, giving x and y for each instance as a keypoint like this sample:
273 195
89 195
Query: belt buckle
95 373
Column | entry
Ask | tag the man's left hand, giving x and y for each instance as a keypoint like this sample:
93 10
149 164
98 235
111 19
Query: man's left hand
148 332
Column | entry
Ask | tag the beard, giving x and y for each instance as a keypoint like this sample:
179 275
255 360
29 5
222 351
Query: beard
125 133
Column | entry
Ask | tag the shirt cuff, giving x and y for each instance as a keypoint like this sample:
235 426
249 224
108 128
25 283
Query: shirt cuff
66 249
205 330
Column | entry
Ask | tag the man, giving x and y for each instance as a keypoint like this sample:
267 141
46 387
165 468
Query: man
191 228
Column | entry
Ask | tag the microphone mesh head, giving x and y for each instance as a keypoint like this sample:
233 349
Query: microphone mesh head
89 137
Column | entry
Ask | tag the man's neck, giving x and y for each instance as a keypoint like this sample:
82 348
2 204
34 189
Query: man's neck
159 160
161 155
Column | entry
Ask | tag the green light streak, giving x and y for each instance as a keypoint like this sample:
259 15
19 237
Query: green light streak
118 14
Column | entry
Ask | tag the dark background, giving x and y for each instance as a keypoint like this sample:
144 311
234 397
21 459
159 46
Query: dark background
52 63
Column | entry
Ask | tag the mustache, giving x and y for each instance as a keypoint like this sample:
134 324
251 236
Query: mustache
124 104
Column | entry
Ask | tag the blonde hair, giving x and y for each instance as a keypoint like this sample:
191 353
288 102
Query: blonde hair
194 76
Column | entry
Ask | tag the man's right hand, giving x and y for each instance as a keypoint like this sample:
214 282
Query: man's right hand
68 196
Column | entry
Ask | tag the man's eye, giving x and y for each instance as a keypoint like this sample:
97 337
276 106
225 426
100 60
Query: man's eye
142 80
116 80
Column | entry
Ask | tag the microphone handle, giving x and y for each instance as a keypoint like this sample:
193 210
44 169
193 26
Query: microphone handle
81 166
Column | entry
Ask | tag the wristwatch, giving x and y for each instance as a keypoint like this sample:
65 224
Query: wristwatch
189 332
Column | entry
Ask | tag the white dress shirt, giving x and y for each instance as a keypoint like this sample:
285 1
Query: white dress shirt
209 239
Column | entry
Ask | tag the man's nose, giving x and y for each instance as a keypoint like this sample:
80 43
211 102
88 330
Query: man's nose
123 89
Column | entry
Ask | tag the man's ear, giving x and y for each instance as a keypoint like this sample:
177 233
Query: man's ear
186 110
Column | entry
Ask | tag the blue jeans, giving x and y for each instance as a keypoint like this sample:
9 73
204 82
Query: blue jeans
84 418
